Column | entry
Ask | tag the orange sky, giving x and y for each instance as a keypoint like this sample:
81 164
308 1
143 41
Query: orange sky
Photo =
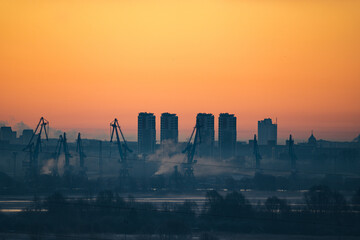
81 63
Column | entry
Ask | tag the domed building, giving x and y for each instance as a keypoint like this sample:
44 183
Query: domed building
312 140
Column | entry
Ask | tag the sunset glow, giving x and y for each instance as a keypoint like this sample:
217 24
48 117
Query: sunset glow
80 65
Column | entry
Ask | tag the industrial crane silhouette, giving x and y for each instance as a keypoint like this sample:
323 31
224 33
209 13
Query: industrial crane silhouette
34 147
62 145
82 156
257 154
57 153
122 147
190 152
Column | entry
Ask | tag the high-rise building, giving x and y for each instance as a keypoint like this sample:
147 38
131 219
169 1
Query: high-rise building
227 135
169 128
206 121
146 133
267 132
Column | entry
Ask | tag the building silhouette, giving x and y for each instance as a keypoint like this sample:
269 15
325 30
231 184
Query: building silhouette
7 134
312 140
267 132
169 128
146 133
26 136
206 121
227 135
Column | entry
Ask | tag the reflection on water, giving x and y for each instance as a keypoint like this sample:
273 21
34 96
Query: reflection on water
15 204
11 210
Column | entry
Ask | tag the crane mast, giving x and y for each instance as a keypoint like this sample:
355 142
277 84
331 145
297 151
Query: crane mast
67 153
122 147
190 151
82 156
57 153
34 146
62 145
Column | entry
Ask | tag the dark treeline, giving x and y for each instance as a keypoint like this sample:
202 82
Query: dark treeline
326 212
46 184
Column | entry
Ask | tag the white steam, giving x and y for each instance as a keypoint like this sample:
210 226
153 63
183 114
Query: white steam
51 164
170 155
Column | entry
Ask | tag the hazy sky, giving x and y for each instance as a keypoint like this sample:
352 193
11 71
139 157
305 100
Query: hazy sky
82 63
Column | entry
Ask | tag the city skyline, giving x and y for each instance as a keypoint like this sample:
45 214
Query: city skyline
85 65
171 119
183 135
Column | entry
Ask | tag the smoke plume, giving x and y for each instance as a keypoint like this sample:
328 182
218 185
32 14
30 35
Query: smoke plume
170 155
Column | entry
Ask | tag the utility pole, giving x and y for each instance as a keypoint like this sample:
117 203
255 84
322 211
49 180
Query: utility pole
100 160
14 164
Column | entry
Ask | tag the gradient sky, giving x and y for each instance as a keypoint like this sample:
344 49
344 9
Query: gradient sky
82 63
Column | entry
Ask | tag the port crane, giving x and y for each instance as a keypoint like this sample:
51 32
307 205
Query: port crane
57 153
34 147
190 151
122 147
62 145
82 156
256 154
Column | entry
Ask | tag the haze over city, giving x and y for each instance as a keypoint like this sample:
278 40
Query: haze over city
81 64
180 120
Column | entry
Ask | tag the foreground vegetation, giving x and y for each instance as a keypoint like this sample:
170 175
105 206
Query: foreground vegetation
326 213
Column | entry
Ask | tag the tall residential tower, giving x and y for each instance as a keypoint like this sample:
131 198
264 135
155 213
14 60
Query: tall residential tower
227 135
169 128
267 132
206 121
146 133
